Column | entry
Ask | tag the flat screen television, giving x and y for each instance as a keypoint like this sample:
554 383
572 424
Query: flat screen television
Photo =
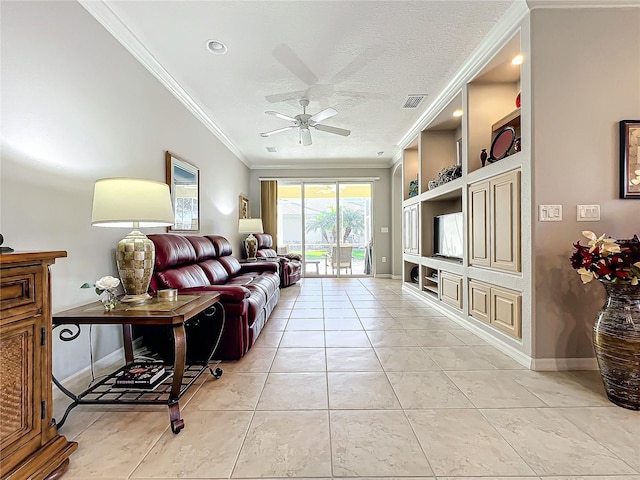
448 236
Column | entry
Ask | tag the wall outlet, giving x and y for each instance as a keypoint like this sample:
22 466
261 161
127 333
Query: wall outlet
384 259
384 229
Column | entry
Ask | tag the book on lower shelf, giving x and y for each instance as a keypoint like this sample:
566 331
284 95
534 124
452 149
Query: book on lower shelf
140 375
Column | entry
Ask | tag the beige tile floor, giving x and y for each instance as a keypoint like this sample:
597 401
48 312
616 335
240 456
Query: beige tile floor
356 379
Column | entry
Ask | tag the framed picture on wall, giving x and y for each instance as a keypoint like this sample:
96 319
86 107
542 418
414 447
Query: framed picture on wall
184 182
243 209
630 159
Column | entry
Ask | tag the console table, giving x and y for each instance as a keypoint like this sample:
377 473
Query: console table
172 313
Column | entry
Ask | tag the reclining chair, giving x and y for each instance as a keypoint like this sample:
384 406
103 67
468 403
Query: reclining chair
290 268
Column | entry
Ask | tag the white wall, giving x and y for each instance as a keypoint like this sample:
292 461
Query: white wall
585 79
76 106
381 203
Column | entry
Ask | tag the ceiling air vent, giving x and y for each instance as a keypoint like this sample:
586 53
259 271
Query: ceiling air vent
271 149
413 101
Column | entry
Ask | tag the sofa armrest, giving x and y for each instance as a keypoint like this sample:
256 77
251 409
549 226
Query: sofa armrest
233 293
260 266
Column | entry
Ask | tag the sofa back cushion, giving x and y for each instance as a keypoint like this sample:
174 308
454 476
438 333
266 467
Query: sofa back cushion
221 244
231 265
181 277
203 247
264 240
215 271
172 251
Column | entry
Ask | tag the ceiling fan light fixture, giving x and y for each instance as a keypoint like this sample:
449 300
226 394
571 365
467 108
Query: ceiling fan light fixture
217 47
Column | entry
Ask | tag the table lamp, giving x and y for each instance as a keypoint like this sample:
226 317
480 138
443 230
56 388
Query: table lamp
133 203
250 226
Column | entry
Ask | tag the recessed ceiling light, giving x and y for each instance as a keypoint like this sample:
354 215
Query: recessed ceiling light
518 59
457 113
271 149
214 46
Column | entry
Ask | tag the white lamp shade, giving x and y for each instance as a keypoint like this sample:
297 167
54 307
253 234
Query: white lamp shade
250 225
131 202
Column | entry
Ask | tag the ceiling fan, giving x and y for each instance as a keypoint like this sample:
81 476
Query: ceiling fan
304 122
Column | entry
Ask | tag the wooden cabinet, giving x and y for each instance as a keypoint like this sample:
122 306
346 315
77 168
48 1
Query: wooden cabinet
494 222
479 224
500 307
479 300
30 447
451 289
410 229
506 311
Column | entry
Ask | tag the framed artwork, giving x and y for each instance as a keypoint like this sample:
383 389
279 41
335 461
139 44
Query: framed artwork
184 182
630 159
243 209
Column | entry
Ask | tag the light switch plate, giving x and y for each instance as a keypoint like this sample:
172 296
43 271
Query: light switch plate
384 229
550 213
588 213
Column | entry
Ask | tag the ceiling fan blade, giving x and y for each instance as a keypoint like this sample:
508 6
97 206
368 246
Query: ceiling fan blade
285 97
284 54
282 116
336 130
273 132
305 137
323 115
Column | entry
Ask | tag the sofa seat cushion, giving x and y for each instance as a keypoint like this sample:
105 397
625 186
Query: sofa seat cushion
269 282
267 253
244 280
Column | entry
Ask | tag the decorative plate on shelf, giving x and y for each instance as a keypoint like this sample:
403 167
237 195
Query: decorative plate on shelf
502 144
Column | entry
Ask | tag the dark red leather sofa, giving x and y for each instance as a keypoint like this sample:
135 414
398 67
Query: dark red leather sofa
195 264
290 269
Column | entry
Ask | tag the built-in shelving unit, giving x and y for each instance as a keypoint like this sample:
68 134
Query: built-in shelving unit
488 196
430 281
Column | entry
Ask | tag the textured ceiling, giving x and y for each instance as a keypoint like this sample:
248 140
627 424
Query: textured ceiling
361 58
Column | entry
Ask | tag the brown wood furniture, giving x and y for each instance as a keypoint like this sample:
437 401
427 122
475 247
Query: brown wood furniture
173 314
30 446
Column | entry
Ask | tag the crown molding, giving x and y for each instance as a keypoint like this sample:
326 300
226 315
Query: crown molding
506 27
536 4
289 164
117 28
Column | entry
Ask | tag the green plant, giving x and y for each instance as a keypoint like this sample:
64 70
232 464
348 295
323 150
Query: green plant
325 222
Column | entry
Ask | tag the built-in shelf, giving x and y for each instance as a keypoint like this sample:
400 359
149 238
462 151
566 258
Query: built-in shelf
487 101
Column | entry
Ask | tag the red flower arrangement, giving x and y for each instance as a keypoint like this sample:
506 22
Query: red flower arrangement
607 259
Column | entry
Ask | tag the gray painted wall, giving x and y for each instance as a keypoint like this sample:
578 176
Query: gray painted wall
76 106
381 200
585 79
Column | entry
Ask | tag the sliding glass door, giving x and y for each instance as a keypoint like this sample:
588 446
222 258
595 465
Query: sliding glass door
328 224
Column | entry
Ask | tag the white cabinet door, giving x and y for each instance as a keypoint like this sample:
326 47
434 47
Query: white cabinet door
410 229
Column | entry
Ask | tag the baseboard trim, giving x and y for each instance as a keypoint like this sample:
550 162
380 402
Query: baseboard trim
560 364
82 377
396 277
382 275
